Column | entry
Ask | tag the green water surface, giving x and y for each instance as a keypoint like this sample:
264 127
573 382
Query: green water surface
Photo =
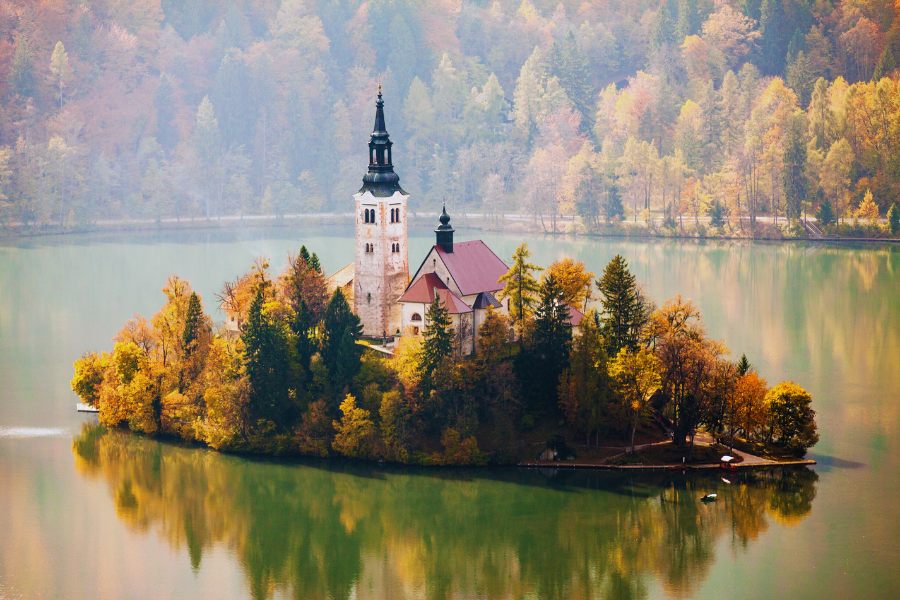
90 514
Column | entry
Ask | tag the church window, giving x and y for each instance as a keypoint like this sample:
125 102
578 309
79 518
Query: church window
369 298
397 218
415 331
416 317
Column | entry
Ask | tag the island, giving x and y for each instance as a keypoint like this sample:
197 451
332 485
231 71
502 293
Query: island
625 383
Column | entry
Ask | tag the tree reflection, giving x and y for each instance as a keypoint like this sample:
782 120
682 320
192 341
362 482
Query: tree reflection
320 531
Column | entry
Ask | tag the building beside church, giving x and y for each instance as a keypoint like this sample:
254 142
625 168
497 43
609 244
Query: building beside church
388 302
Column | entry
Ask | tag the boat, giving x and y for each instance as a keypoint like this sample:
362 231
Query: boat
727 463
709 498
86 408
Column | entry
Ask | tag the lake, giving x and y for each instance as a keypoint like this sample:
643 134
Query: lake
91 514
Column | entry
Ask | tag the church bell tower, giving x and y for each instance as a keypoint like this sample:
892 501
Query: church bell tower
381 270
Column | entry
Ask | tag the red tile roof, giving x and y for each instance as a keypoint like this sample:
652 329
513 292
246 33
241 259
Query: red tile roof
575 316
423 290
474 267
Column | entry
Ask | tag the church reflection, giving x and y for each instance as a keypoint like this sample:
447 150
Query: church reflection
342 529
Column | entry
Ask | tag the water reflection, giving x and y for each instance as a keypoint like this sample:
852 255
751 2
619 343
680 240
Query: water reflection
335 530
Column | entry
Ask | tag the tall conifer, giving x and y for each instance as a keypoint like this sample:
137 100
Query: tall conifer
624 312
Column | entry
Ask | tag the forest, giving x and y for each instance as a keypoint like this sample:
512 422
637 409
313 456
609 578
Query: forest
669 110
295 377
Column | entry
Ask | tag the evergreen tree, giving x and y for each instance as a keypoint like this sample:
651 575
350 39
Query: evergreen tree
576 79
191 324
301 326
794 170
267 365
22 76
438 342
340 352
304 254
743 366
825 214
613 209
231 99
314 263
893 216
164 103
624 309
520 286
546 355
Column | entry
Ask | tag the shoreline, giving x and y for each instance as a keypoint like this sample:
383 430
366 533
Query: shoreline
515 224
533 464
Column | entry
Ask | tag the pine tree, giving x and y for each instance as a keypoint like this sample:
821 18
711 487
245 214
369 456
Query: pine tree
794 170
267 365
164 103
624 310
314 263
301 326
893 216
304 254
577 79
22 74
520 286
743 366
340 352
438 342
825 214
546 355
191 324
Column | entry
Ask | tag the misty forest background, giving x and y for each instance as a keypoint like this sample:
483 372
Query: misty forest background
144 109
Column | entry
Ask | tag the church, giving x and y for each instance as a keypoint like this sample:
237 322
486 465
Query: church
390 303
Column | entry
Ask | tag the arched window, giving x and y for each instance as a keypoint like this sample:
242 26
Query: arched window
416 317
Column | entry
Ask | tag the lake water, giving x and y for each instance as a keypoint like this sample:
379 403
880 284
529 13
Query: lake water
90 515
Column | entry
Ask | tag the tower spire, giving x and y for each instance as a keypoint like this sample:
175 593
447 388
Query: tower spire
380 178
444 232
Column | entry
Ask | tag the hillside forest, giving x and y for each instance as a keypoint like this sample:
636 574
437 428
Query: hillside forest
295 378
153 109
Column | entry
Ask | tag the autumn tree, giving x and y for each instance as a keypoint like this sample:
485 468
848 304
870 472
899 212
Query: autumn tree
574 279
636 379
792 421
60 69
687 359
355 432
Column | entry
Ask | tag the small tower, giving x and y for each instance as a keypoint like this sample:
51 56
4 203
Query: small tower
381 264
444 232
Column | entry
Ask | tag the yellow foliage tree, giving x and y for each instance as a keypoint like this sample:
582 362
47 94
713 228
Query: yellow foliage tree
355 435
867 208
575 281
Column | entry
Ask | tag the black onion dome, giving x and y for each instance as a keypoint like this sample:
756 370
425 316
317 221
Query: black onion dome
380 179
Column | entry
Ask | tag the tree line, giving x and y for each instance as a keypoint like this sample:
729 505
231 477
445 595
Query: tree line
670 110
293 375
